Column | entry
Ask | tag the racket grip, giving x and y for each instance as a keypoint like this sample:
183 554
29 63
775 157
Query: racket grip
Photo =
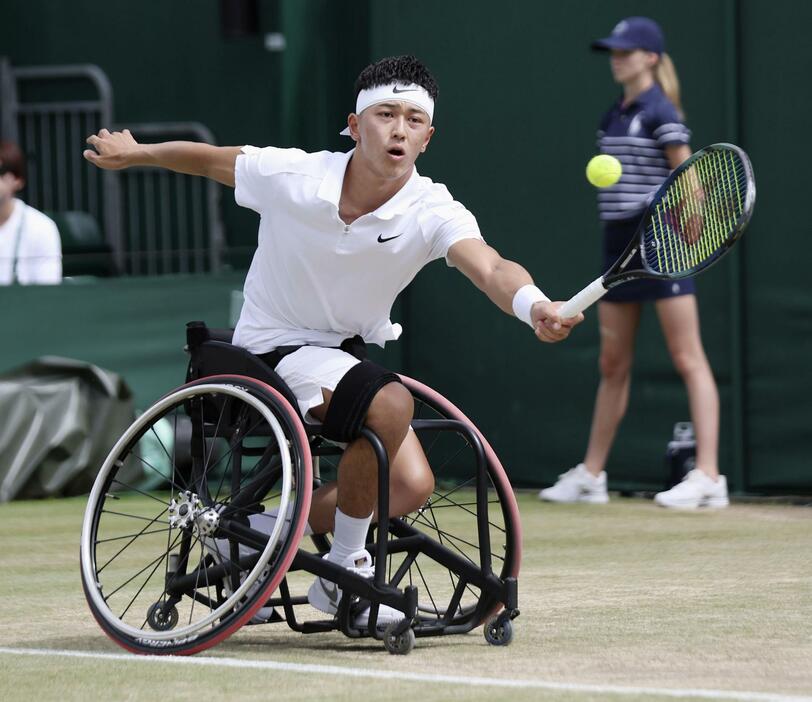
580 301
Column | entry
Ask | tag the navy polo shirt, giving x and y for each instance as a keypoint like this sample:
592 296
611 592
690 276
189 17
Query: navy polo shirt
637 135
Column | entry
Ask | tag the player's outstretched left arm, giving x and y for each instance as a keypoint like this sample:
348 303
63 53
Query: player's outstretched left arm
501 279
117 150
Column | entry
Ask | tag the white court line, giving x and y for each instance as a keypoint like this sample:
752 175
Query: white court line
411 677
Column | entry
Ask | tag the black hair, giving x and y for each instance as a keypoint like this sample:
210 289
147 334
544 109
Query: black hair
397 69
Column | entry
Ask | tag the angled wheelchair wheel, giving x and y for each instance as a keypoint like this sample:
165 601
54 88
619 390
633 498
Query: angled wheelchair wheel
177 563
472 515
460 548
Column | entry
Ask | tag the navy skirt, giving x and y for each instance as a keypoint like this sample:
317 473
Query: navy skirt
616 237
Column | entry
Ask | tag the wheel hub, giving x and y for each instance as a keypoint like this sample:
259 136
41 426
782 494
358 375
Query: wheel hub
184 510
208 521
188 511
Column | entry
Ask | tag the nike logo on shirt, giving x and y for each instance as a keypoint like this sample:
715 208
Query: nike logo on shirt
381 239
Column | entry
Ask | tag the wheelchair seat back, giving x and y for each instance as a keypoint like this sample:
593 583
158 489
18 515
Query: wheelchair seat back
212 353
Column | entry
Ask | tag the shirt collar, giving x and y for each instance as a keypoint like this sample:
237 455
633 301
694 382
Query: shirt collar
330 188
401 200
647 96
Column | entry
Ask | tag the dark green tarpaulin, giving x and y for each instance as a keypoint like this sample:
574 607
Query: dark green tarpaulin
58 420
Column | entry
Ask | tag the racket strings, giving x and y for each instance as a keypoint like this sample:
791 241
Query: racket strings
698 215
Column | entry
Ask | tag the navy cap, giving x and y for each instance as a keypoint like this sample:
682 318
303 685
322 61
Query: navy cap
634 33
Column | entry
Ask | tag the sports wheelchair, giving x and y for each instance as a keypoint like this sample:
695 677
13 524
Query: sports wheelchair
215 541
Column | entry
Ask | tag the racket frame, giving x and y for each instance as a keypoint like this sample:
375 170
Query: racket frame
617 273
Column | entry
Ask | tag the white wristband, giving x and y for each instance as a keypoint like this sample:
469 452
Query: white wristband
523 302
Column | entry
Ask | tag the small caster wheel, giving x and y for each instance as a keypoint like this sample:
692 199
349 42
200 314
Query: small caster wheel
398 643
499 631
160 619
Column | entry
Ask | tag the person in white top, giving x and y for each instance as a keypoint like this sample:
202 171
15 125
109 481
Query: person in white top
30 247
340 235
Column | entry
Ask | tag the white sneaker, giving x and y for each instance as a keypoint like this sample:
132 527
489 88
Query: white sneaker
697 489
577 485
325 595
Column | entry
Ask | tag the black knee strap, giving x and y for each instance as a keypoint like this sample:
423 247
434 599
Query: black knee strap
352 398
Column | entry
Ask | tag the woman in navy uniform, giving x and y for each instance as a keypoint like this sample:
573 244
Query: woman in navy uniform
644 129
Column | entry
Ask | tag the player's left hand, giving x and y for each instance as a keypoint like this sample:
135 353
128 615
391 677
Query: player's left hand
113 150
549 326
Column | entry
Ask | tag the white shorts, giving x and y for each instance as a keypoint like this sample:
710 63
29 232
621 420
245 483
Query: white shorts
310 369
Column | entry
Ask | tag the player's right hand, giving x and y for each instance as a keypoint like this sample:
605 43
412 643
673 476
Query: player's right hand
113 150
549 326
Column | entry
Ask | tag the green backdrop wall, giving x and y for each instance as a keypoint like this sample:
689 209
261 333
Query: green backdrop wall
520 96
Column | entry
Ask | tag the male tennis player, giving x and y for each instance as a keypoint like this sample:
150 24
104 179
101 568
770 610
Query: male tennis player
340 235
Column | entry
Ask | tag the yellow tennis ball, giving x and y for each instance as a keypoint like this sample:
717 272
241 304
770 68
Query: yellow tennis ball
603 170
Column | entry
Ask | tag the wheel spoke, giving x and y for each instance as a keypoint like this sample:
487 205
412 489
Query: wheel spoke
449 461
164 593
425 522
223 558
271 498
214 439
148 565
460 486
433 443
127 536
157 472
440 538
127 545
203 556
171 458
462 506
259 464
144 584
242 486
197 580
232 445
425 584
132 516
169 533
140 492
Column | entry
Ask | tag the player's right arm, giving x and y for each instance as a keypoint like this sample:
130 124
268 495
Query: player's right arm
117 150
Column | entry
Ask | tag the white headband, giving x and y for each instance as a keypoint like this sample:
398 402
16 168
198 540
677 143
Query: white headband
411 93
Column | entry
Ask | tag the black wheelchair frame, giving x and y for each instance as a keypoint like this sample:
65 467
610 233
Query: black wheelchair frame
219 373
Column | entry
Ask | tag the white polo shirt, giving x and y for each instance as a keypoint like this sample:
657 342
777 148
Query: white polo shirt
30 248
315 280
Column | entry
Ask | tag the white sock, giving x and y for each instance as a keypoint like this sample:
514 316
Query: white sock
350 536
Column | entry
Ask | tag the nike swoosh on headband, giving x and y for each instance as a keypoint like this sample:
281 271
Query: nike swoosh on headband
404 90
381 240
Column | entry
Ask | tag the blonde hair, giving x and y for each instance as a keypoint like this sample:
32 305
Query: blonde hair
666 75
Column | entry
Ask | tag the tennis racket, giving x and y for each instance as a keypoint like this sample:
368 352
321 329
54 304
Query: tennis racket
696 215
